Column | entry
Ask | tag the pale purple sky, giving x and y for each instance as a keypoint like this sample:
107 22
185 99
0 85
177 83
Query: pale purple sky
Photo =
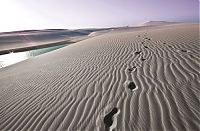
71 14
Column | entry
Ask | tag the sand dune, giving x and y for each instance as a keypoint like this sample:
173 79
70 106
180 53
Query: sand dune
157 23
125 80
34 39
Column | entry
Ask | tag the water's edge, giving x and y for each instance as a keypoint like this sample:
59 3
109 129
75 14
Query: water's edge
12 58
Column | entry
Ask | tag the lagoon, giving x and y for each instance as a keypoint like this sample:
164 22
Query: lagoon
12 58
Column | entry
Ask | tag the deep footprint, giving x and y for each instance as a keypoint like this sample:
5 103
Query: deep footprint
131 69
145 47
143 59
108 119
131 86
191 56
137 53
184 50
147 38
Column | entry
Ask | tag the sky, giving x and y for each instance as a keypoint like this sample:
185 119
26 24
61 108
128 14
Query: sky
75 14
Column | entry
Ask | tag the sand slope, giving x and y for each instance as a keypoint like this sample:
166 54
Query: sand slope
126 80
33 39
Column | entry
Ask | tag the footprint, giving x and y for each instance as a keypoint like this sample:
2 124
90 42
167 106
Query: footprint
183 50
164 43
191 56
145 47
108 119
131 69
147 38
142 42
143 59
131 86
138 35
138 52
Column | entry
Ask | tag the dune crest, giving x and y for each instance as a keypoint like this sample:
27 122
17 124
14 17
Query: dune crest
157 23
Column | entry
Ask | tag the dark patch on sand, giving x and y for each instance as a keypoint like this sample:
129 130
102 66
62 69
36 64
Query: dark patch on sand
183 50
131 86
143 59
191 56
138 52
131 69
147 38
108 119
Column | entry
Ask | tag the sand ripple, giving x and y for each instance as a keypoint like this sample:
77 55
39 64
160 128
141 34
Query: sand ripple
117 80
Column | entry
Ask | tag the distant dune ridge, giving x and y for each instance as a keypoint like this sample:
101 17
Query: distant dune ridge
32 39
157 23
127 80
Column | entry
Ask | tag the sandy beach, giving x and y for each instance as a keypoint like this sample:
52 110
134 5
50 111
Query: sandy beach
124 80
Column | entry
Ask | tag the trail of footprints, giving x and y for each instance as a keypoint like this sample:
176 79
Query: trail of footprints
110 117
131 85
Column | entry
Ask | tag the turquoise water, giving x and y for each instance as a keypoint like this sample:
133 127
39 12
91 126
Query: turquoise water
12 58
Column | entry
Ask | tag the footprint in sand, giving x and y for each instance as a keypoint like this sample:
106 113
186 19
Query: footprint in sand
143 59
132 69
147 38
138 52
169 46
183 50
145 47
108 119
191 56
131 86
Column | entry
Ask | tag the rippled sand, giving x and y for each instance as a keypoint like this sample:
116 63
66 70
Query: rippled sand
128 79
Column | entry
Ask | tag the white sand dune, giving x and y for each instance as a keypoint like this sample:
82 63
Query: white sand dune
32 39
127 80
157 23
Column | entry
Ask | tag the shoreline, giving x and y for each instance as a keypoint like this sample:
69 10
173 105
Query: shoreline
22 49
